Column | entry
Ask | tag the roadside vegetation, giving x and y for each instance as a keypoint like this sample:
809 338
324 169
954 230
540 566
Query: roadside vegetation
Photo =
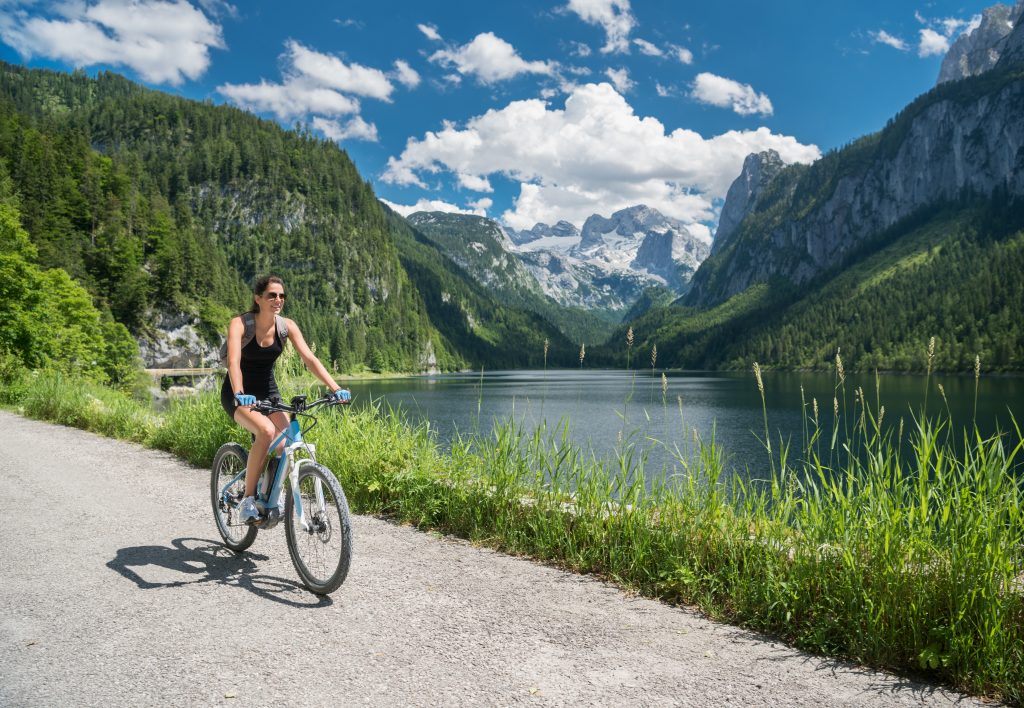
895 545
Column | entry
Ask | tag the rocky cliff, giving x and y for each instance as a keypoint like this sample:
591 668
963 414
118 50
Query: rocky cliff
963 137
758 170
978 50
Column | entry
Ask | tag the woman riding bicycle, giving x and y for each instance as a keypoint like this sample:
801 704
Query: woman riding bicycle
255 341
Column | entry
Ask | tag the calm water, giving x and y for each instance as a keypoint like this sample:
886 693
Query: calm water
602 407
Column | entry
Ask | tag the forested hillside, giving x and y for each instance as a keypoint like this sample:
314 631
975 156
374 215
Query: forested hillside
465 312
160 206
953 273
474 243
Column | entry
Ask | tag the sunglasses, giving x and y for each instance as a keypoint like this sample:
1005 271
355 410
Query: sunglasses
274 296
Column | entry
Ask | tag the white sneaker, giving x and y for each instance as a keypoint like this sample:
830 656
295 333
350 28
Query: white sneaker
247 511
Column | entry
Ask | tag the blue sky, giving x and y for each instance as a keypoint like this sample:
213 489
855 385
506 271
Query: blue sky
527 111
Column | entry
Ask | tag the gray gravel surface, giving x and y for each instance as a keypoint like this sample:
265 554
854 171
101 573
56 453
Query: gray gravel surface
116 591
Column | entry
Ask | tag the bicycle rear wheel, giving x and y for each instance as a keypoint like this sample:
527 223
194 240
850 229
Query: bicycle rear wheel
322 552
229 461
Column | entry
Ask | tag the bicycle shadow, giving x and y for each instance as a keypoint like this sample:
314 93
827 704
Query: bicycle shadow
190 561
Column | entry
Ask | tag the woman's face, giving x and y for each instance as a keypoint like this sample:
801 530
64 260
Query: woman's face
272 298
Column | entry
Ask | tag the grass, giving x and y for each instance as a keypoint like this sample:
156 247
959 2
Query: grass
909 561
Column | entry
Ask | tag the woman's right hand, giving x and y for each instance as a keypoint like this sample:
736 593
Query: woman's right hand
244 399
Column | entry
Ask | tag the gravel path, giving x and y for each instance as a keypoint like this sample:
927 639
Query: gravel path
116 591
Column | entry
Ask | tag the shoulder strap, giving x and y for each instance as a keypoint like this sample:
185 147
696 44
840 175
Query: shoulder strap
282 327
249 324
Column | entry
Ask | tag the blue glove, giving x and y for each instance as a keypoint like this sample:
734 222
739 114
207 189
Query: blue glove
244 399
343 395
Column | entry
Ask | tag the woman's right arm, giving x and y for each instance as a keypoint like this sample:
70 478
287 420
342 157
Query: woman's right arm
235 329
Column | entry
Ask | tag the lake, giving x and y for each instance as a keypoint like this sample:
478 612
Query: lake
603 407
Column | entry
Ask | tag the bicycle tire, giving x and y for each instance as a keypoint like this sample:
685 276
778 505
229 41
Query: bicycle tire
329 540
230 459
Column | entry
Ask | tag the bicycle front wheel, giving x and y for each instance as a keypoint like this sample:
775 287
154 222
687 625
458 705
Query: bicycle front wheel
229 461
321 550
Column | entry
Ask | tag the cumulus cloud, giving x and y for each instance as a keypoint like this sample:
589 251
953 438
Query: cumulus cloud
164 42
613 15
932 43
331 72
438 205
883 37
726 93
647 48
595 155
292 99
430 31
620 79
684 55
356 129
490 58
662 91
579 49
322 87
406 75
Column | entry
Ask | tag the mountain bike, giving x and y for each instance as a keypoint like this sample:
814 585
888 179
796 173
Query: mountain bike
315 514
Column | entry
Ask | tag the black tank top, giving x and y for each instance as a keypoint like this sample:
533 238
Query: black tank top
257 365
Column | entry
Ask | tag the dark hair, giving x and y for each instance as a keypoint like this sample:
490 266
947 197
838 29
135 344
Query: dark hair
260 286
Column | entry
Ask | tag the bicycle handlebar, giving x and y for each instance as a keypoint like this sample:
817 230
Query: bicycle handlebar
298 405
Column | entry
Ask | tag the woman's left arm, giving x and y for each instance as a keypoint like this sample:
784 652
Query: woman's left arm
308 358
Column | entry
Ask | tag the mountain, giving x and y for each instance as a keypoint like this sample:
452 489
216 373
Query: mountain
977 51
581 281
561 230
961 138
913 232
758 170
484 251
608 265
164 209
480 322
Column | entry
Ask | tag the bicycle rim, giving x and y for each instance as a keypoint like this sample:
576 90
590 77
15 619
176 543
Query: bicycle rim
322 553
230 460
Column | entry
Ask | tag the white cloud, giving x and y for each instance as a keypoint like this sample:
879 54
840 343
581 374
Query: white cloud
475 183
595 155
883 37
684 55
490 59
219 8
482 204
430 31
321 87
726 93
662 91
647 48
579 49
292 99
620 79
165 42
406 75
331 72
356 129
932 43
613 15
476 209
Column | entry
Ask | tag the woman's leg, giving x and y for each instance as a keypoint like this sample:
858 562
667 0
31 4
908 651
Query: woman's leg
264 429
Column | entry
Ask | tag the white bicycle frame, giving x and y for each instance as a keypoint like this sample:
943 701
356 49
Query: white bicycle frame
288 468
